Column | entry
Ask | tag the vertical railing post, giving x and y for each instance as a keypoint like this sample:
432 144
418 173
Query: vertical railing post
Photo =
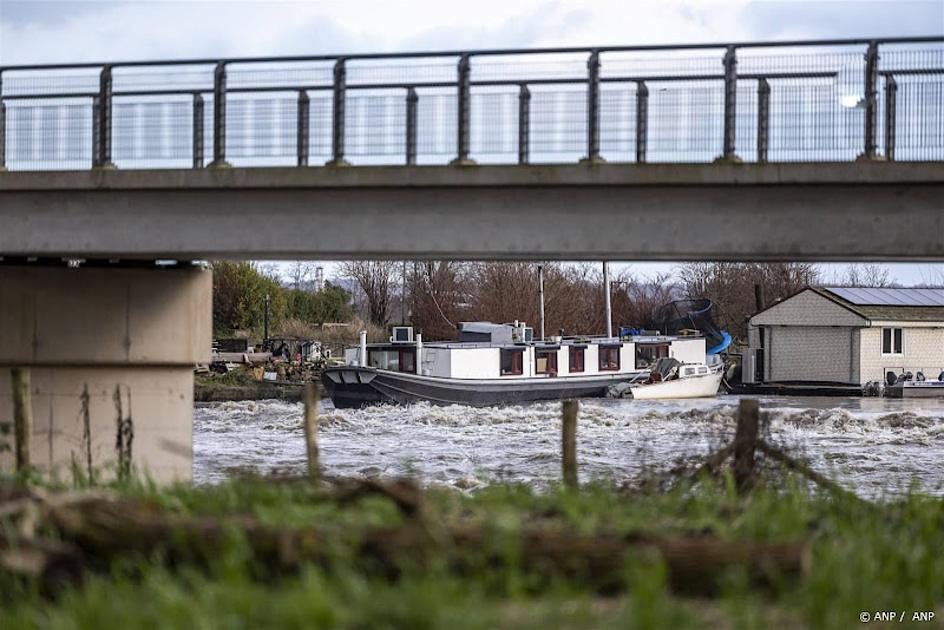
464 111
593 109
871 97
411 113
729 153
302 131
524 124
338 114
96 126
3 128
219 116
197 130
102 144
763 119
891 95
642 121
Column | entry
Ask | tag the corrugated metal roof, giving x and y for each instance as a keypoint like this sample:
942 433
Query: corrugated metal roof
867 296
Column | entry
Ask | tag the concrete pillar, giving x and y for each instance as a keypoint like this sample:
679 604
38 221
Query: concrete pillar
107 348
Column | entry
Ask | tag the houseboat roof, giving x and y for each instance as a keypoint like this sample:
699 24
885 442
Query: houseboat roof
548 343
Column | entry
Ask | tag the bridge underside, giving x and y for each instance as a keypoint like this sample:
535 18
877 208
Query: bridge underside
861 211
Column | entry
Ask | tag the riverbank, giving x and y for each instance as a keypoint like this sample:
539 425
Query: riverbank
338 565
239 385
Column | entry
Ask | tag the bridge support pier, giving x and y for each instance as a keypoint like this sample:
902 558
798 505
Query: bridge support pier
111 354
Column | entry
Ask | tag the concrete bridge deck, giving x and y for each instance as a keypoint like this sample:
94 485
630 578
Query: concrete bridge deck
826 211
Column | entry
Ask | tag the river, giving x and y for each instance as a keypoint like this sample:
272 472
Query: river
874 446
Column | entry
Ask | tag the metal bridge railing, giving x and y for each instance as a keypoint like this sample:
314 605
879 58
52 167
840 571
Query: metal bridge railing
807 101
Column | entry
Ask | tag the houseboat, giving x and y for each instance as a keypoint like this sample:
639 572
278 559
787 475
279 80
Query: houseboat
495 364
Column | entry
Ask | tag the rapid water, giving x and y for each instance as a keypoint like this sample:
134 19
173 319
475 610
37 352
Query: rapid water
874 446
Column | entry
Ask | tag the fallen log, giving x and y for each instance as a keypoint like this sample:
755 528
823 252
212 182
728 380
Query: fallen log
52 564
404 493
108 529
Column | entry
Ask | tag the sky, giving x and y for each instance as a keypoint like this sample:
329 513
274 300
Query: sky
49 31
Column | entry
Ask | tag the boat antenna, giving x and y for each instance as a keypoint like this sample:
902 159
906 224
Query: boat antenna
609 310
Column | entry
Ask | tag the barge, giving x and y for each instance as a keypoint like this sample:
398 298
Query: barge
497 364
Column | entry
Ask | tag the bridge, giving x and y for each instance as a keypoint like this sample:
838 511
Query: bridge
675 152
807 150
864 210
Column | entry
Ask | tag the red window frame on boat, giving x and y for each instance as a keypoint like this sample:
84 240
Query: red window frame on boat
551 366
575 359
517 362
408 353
609 358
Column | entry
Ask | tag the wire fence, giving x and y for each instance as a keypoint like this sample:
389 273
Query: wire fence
753 102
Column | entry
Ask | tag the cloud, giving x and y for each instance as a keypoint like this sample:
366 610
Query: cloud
37 31
845 19
45 12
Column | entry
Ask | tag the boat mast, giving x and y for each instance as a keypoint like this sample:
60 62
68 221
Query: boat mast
609 310
541 297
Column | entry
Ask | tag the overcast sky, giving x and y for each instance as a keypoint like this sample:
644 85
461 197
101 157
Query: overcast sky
47 31
80 30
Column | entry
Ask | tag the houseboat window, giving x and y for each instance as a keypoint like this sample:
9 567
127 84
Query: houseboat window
398 360
609 358
576 359
648 353
891 341
689 371
511 362
545 362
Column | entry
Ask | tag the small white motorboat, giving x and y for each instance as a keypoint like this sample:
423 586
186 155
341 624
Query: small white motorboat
671 379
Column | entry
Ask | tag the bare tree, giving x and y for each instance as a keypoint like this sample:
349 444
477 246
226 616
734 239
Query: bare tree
268 269
442 294
730 287
374 278
932 276
638 298
299 272
865 275
438 297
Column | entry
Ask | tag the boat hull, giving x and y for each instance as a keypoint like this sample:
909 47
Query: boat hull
351 387
916 389
691 387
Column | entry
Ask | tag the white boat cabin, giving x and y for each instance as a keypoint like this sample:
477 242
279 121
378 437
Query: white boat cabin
507 351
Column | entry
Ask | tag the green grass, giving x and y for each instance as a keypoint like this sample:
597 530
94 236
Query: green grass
236 376
864 557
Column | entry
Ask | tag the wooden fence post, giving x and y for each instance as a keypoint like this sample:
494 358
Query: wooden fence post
569 442
745 442
311 430
22 416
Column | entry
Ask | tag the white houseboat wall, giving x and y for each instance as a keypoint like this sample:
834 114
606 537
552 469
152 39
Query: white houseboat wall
554 358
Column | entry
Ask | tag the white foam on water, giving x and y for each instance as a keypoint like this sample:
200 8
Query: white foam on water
871 445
